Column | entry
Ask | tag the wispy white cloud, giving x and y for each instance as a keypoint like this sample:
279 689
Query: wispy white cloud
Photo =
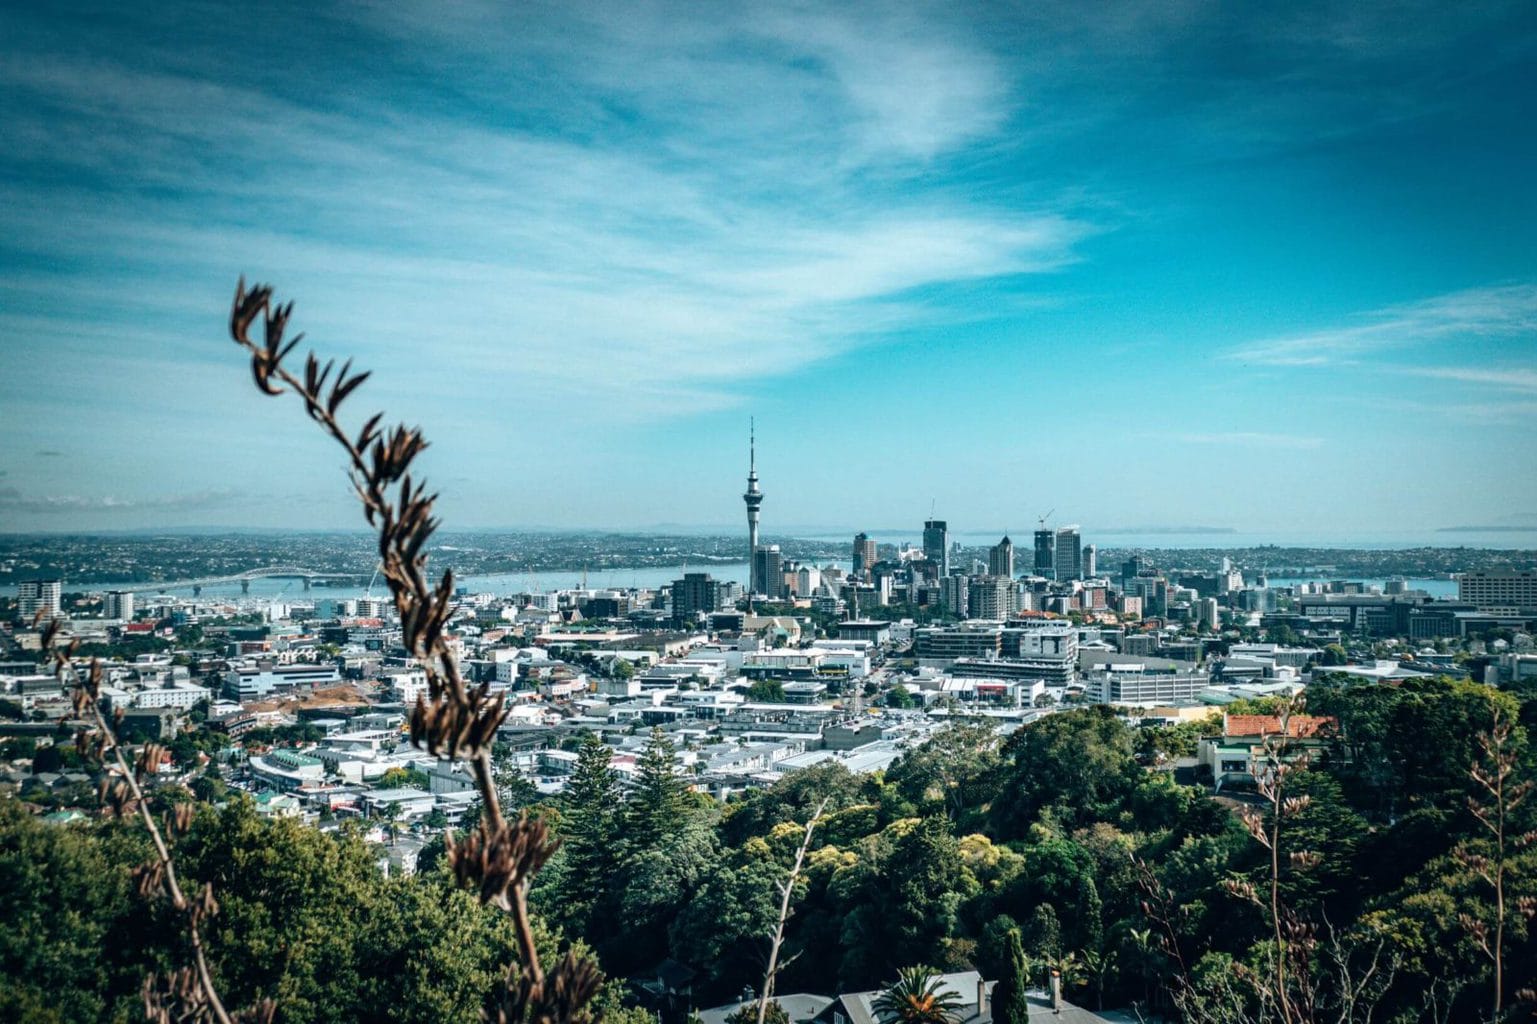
1251 439
1522 379
664 262
1495 312
1487 412
865 83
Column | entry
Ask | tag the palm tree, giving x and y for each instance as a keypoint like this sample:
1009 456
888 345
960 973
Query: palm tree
390 813
1098 967
916 997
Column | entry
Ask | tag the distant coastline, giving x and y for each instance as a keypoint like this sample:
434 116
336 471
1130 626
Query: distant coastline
169 559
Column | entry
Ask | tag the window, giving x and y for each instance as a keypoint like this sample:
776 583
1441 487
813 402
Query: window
1235 766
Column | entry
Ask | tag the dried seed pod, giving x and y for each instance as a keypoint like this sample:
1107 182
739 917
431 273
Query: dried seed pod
562 998
495 859
179 821
149 879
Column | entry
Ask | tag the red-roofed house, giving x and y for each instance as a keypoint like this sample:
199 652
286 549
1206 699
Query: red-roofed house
1230 756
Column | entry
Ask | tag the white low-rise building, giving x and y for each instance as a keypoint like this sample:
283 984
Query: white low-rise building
406 684
1133 684
172 695
413 803
253 682
287 770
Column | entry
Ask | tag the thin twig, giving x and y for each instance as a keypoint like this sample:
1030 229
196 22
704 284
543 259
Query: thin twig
786 891
126 793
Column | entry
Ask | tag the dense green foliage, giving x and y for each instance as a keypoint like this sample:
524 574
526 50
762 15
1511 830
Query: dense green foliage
305 917
1058 831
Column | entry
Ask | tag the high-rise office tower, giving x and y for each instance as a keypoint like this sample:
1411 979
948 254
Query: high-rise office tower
768 569
1130 568
936 544
1000 559
34 596
754 499
1090 561
864 554
1069 554
1045 553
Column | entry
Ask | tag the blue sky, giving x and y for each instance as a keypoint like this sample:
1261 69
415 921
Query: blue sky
1271 267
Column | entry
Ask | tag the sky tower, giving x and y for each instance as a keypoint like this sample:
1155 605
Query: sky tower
753 498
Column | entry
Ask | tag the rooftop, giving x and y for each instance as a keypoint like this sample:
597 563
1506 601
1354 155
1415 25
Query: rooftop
1298 726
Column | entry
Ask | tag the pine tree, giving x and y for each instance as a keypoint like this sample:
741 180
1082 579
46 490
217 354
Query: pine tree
659 805
1045 932
588 830
1009 1003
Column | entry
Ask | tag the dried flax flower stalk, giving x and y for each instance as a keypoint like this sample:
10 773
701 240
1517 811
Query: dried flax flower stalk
455 719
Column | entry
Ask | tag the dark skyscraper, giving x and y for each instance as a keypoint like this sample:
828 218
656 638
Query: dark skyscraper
753 499
1045 553
936 544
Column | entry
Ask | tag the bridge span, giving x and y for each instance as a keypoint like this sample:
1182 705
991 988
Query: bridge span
268 572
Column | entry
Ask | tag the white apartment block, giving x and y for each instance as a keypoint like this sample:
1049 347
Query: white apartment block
34 596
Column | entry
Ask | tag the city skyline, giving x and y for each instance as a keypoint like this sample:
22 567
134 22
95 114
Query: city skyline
1160 264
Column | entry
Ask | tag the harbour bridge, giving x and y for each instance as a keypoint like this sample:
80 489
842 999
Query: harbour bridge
310 577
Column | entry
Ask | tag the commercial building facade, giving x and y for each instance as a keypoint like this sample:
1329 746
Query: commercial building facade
1486 590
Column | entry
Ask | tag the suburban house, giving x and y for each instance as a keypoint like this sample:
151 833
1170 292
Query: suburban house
1230 756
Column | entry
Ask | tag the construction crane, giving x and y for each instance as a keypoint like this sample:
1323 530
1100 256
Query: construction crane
1042 519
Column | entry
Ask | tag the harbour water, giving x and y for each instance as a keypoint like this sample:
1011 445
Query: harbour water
501 584
504 584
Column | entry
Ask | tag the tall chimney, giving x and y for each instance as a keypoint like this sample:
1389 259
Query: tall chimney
981 996
1056 991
